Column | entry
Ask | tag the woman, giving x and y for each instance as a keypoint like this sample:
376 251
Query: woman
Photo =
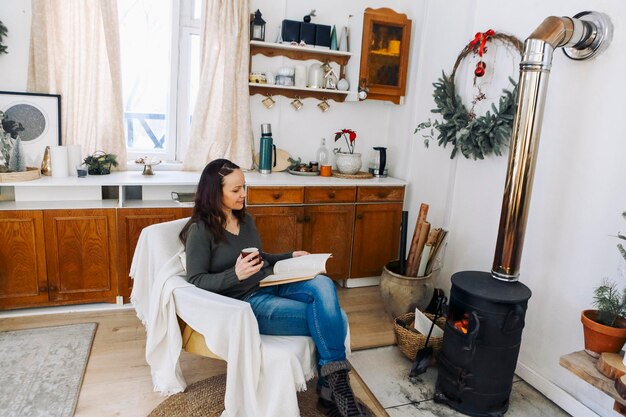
218 230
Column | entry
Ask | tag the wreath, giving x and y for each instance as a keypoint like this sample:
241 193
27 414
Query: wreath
474 136
3 32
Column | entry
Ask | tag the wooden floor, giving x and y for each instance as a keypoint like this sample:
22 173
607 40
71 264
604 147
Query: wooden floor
117 380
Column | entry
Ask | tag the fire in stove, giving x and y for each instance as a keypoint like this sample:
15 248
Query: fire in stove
461 325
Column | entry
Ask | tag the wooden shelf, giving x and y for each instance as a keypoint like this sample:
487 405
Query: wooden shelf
584 366
301 92
299 52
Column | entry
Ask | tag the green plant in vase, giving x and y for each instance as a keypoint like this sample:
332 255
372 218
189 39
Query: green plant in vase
610 301
100 163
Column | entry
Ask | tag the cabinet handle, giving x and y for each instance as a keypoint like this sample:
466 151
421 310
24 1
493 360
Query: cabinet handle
43 289
331 194
277 196
382 194
359 216
307 218
52 288
299 219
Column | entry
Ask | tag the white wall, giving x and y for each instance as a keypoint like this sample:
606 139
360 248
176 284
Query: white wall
13 66
579 190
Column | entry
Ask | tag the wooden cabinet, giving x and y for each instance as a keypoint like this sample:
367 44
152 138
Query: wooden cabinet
299 53
275 195
81 254
384 54
130 223
56 257
376 238
23 278
71 256
315 229
328 229
339 220
280 228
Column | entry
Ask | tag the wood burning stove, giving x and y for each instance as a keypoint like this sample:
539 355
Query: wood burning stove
483 332
481 343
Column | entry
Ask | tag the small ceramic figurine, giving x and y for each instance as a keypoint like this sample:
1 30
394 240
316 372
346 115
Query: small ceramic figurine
330 78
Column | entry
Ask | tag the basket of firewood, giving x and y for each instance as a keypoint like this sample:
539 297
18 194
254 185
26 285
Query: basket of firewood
410 340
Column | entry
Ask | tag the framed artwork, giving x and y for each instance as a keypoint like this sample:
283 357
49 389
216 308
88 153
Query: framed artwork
36 118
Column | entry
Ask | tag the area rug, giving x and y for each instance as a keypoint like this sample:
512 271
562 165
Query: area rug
42 369
206 399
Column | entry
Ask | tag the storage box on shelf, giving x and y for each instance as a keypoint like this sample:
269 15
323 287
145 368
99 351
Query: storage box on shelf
301 54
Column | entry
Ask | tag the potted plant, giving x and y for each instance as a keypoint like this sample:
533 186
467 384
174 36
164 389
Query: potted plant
347 162
605 327
100 163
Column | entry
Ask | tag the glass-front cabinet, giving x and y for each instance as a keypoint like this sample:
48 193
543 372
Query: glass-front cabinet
384 54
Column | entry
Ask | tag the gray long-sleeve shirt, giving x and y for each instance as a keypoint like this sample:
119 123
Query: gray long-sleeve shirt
211 265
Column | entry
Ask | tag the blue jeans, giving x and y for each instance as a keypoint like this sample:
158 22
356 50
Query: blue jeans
305 308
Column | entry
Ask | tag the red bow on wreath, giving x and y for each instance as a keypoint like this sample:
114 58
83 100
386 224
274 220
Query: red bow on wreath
479 42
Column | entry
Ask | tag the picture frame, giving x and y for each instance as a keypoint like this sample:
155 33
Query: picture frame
40 117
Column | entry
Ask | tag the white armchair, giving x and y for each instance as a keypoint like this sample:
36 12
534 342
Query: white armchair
263 372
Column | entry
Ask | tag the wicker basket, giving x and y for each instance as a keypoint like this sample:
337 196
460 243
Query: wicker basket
31 173
410 340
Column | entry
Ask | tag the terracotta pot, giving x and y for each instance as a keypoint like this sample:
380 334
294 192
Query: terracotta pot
401 293
600 338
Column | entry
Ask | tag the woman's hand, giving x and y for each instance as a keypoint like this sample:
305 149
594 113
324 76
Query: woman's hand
248 266
300 253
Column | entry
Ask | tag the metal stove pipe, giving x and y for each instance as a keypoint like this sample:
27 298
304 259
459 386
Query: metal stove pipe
582 36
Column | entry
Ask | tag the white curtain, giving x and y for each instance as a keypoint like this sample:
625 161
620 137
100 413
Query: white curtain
75 52
221 126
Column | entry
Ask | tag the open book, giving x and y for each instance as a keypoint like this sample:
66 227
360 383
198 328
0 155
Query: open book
297 269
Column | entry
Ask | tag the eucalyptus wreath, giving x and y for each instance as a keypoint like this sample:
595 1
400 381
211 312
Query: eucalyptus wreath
474 136
3 32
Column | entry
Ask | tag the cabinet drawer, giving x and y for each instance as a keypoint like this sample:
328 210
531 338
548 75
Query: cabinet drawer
275 195
374 194
330 194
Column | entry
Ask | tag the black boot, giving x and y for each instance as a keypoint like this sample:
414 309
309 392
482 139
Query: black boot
336 375
325 403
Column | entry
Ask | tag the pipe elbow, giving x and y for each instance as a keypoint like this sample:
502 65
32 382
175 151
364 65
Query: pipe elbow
556 31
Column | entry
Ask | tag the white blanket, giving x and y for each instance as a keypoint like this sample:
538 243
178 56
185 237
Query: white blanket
264 372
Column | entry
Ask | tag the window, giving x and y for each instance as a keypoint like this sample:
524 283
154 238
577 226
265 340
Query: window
160 53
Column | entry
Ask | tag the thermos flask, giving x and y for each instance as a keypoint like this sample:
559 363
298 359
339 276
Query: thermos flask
267 152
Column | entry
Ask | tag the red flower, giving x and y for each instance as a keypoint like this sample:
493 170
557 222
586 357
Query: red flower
350 138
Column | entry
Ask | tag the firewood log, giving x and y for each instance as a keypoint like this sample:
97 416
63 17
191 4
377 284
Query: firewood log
610 365
412 262
425 229
620 386
620 408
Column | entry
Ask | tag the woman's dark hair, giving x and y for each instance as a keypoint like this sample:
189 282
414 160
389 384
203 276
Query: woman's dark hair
209 202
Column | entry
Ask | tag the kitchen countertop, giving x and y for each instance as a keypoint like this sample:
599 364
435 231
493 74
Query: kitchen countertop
288 180
191 178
